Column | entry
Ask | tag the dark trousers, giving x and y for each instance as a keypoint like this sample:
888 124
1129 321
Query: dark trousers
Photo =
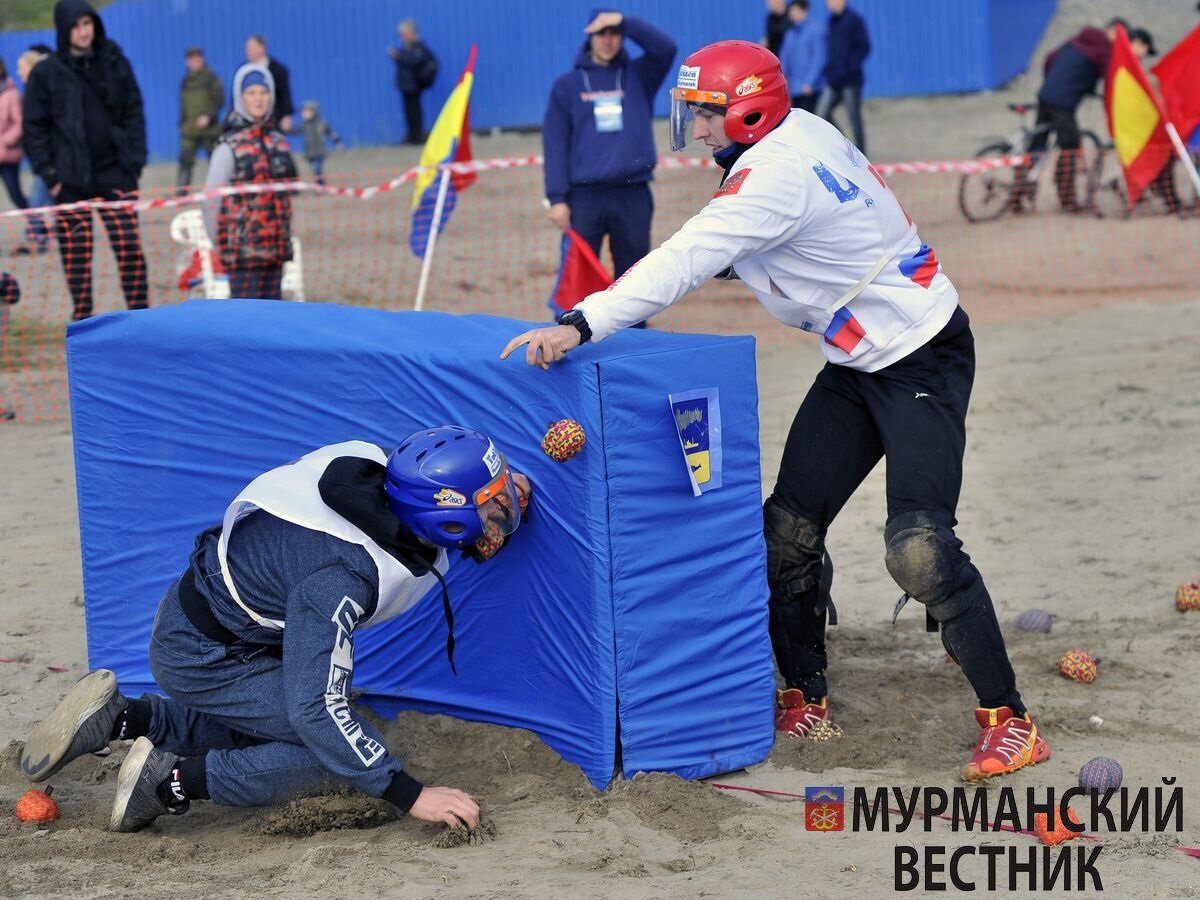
851 95
1062 123
75 245
806 102
318 168
912 413
623 212
10 174
413 117
189 146
256 283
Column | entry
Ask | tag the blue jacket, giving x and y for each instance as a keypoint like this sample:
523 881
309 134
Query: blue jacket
575 153
803 56
846 47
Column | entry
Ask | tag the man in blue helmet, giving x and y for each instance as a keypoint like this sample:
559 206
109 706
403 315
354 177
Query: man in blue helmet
256 712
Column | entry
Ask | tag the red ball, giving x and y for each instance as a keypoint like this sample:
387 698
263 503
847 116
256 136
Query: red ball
1187 597
563 439
1078 666
35 806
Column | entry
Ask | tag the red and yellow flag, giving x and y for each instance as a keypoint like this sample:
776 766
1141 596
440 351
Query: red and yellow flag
1179 78
1136 119
449 141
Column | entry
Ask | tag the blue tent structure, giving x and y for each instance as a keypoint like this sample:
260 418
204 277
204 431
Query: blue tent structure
625 624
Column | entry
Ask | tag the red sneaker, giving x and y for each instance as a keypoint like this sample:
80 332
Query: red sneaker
1006 743
795 715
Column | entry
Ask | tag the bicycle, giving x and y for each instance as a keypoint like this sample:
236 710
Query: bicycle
1172 193
989 193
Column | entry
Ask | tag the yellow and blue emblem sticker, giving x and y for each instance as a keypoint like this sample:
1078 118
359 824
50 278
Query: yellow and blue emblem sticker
697 416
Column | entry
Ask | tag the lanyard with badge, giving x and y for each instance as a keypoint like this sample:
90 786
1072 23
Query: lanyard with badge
606 108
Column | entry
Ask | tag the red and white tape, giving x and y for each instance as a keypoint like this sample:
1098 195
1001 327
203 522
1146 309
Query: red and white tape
964 166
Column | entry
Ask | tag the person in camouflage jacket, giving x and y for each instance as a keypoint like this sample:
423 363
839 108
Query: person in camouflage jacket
253 230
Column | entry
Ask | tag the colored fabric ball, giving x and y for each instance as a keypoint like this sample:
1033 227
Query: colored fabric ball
1036 620
35 806
1101 774
492 540
1187 597
563 439
1059 833
1078 666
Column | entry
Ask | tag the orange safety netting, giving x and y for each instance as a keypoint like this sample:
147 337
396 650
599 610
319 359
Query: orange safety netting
499 255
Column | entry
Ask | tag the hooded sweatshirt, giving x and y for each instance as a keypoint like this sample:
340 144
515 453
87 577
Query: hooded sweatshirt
84 122
576 154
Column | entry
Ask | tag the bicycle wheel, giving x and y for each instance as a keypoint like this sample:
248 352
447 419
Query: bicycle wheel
983 196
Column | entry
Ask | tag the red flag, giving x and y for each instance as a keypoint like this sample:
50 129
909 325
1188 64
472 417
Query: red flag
1136 119
1179 78
579 274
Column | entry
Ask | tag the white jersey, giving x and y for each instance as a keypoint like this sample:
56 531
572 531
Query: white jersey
292 493
810 227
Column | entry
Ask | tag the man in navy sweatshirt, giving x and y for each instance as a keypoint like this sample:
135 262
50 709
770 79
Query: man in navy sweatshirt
339 539
597 138
846 48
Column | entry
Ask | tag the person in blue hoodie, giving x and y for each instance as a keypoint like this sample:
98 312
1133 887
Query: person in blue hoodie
802 56
597 138
254 643
847 46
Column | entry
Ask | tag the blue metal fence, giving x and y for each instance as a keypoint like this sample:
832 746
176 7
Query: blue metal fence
336 51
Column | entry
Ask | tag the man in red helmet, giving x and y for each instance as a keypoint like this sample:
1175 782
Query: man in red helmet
806 222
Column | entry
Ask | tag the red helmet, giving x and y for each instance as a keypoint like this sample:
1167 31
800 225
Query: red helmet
741 78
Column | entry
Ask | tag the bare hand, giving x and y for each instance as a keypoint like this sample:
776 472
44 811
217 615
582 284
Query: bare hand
202 121
393 52
604 20
285 124
447 806
56 190
560 215
524 490
545 345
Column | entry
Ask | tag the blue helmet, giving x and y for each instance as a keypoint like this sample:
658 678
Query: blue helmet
448 484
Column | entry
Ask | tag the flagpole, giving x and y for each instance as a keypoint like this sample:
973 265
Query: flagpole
1181 151
431 243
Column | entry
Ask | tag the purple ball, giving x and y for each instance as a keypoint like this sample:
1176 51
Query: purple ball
1035 620
1101 774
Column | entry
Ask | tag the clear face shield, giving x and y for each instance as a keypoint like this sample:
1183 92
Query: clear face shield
682 101
499 505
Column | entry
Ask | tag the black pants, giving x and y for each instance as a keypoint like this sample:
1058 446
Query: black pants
256 283
806 102
75 245
413 117
1062 122
911 413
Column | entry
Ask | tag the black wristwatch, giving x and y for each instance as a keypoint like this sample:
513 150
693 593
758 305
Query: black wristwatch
578 321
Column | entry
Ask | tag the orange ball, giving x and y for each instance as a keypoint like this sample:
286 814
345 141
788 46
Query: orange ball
563 439
1078 666
1060 833
35 806
1187 597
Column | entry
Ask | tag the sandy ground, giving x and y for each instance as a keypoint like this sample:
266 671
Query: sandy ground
1080 470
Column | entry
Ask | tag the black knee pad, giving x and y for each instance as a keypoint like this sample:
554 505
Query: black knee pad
926 560
795 548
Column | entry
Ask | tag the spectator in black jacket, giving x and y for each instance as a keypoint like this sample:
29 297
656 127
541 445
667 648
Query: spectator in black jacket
85 135
777 25
846 48
416 69
256 52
